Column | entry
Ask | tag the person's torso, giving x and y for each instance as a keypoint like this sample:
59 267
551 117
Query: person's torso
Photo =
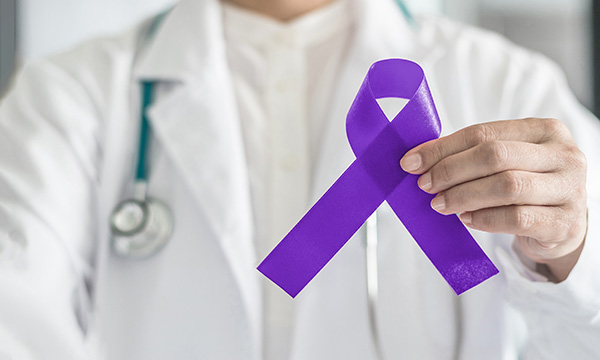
200 296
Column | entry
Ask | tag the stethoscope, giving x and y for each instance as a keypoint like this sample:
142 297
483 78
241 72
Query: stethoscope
371 246
141 226
371 240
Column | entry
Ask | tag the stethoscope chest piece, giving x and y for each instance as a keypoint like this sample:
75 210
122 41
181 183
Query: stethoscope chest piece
140 227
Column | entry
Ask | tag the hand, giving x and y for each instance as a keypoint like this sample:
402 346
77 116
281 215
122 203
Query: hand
523 177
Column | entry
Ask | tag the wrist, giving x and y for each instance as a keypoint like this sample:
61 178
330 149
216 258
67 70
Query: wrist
557 270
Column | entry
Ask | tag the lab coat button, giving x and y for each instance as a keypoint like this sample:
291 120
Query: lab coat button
290 163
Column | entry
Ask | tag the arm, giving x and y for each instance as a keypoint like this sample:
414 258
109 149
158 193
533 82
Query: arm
48 161
527 177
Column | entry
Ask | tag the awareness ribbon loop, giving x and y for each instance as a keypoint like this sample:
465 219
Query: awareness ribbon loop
374 177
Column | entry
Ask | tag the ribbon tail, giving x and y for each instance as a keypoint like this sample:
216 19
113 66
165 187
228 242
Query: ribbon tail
322 232
443 238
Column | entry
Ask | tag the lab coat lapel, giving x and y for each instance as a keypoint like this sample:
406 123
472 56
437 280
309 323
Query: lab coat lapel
196 121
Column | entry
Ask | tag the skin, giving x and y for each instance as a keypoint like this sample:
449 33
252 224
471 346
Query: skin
524 177
283 10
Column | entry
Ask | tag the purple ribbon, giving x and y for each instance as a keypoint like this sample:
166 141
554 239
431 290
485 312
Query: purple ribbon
376 176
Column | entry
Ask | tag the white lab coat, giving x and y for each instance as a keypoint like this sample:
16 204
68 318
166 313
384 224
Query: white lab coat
68 134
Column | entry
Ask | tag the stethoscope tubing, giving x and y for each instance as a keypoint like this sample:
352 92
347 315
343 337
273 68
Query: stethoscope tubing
371 245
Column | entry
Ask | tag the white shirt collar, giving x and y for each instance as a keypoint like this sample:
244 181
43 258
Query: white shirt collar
306 30
381 31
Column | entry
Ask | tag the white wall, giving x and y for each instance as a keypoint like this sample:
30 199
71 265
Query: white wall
560 29
48 26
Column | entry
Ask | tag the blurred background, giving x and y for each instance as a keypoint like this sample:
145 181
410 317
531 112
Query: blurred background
561 29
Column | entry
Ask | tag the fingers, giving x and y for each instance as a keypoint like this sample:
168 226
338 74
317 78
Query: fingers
514 219
505 188
542 224
487 159
523 177
532 130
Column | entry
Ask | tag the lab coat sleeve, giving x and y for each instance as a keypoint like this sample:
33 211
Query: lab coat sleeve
563 319
48 155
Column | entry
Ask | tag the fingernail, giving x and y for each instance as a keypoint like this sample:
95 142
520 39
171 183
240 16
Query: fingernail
425 182
438 203
466 217
411 162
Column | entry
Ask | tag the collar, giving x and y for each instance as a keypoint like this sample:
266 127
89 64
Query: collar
247 26
190 40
